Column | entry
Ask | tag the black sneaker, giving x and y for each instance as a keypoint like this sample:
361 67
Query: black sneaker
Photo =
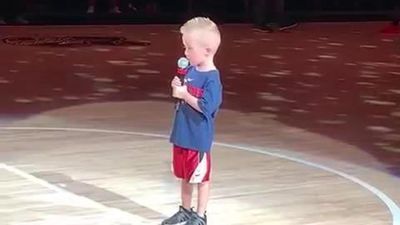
262 28
282 25
197 220
179 218
286 25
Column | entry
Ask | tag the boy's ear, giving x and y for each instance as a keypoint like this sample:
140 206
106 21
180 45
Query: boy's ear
208 51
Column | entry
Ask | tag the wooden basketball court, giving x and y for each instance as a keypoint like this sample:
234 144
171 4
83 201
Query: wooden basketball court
84 131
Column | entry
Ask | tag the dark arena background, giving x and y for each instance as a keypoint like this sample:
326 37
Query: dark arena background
308 132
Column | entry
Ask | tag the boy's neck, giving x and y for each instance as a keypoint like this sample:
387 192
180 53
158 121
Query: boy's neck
206 66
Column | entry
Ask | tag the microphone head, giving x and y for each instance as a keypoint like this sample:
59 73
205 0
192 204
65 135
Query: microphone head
183 63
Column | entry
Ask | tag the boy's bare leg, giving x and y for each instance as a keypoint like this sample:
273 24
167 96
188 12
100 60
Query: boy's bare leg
186 194
203 193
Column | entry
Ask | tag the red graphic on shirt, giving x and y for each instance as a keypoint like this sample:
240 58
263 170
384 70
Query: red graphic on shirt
195 91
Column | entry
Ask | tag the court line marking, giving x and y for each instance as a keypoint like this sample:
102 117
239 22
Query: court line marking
391 205
114 214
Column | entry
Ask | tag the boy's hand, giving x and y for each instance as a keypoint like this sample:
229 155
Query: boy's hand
176 82
179 92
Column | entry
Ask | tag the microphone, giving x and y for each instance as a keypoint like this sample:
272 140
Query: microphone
183 63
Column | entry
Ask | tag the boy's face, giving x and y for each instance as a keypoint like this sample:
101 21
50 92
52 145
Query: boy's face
194 51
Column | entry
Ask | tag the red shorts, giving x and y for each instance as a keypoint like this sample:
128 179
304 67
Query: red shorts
191 165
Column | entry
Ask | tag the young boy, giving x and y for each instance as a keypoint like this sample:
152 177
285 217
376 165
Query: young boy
193 129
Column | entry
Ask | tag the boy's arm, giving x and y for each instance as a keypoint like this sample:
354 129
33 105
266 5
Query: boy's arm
211 99
208 103
181 92
192 101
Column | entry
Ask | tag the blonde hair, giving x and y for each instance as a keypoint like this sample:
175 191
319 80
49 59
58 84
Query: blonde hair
207 31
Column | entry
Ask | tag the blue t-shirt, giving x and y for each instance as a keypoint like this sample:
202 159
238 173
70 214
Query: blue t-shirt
193 129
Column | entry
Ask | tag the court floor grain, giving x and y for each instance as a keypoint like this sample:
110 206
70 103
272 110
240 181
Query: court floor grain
85 141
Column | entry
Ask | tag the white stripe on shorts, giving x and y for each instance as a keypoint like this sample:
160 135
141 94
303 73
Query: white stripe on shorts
200 171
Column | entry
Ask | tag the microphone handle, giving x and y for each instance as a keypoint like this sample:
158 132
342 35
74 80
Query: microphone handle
182 78
181 72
